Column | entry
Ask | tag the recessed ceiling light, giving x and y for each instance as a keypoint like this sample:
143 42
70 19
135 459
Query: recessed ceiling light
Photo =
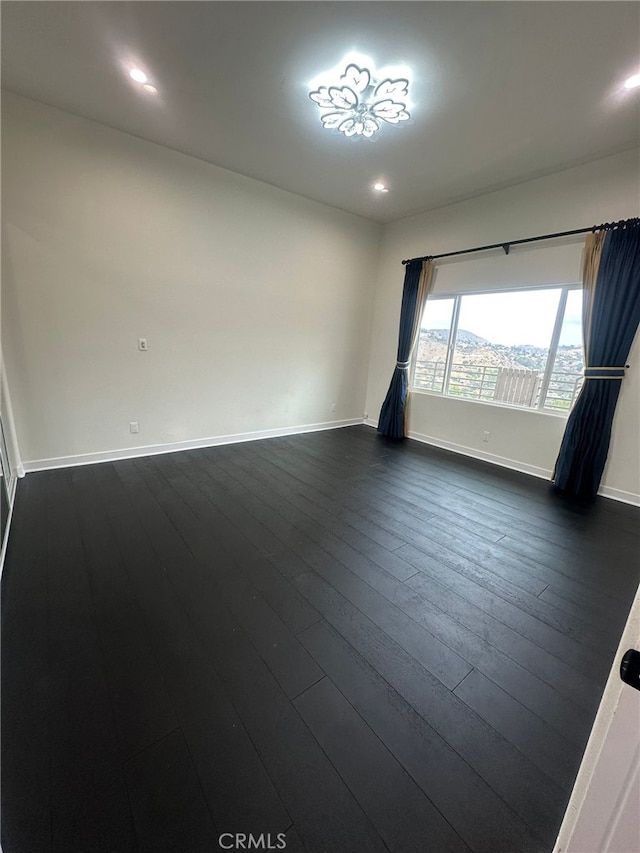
151 89
138 75
380 187
632 82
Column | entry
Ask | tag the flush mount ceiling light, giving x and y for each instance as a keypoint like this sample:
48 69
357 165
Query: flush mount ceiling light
632 82
380 187
357 104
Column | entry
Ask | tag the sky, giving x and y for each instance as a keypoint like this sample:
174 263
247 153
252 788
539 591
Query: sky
527 317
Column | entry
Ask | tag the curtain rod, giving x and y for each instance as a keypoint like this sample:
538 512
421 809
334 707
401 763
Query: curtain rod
506 246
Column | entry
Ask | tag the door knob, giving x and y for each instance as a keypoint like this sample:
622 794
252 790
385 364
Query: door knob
630 668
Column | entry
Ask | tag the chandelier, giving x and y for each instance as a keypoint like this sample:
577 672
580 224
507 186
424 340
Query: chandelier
358 105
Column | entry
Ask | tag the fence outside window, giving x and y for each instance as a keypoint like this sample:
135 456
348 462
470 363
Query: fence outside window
480 382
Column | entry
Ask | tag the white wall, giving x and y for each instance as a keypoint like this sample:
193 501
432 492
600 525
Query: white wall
605 190
256 303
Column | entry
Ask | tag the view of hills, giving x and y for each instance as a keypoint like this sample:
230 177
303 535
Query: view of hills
473 349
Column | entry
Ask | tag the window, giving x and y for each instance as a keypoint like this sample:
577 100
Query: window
518 348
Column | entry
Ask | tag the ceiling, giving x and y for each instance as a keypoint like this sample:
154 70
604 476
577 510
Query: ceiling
502 92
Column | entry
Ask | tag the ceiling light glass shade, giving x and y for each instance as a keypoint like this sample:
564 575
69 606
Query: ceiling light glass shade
632 82
358 105
138 75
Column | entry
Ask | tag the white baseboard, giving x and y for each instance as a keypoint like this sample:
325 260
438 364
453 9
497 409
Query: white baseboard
474 453
155 449
512 464
619 495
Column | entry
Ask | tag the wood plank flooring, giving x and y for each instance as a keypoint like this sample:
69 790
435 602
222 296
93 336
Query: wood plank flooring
329 640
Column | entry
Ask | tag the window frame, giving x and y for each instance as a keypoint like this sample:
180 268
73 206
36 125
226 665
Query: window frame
457 296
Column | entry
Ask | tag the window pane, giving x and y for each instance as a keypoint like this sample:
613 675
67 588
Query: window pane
566 374
502 345
432 345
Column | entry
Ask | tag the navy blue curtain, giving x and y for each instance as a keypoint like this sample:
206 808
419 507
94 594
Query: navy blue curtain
392 414
615 318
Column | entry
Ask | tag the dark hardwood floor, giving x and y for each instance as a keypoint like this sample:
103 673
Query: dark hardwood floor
363 646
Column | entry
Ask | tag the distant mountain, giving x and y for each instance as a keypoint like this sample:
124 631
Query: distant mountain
439 335
473 349
464 337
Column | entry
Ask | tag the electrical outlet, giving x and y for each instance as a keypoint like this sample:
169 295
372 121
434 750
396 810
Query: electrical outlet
485 435
134 427
142 344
